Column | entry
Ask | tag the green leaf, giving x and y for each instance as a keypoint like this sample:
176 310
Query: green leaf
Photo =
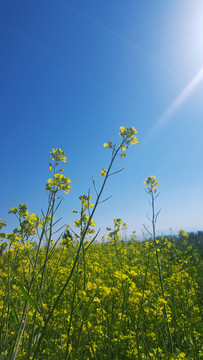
77 311
14 313
28 298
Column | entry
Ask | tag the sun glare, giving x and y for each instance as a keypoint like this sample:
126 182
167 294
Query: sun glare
177 103
190 33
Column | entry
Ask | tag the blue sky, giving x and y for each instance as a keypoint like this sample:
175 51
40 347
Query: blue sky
72 72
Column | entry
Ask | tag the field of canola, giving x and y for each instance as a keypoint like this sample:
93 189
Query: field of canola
76 298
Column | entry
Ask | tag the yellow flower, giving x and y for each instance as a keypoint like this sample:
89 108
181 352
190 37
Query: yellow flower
151 184
60 182
57 154
122 129
92 223
182 355
108 145
134 140
32 217
2 223
103 172
77 223
135 131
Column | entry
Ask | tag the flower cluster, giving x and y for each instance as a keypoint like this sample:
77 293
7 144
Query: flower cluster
28 222
129 138
85 201
59 181
84 220
58 155
115 233
151 184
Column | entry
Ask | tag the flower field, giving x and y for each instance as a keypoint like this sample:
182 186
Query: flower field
78 298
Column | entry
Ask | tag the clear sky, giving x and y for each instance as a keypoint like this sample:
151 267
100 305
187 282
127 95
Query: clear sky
71 73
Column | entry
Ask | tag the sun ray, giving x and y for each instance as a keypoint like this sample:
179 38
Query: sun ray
177 103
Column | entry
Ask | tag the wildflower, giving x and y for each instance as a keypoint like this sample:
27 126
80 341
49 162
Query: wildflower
134 140
128 136
108 145
57 154
103 172
2 223
60 182
182 355
129 132
183 234
151 184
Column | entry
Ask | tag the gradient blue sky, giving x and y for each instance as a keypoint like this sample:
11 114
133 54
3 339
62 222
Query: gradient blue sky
72 72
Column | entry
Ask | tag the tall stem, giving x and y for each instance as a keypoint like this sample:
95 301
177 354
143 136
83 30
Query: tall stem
159 267
76 258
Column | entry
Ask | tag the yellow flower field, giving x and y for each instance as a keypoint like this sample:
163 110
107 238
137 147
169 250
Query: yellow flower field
75 298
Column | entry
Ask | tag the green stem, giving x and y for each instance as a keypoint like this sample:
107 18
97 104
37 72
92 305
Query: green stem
159 268
76 258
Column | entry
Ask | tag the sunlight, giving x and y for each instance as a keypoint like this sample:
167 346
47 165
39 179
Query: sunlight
178 102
